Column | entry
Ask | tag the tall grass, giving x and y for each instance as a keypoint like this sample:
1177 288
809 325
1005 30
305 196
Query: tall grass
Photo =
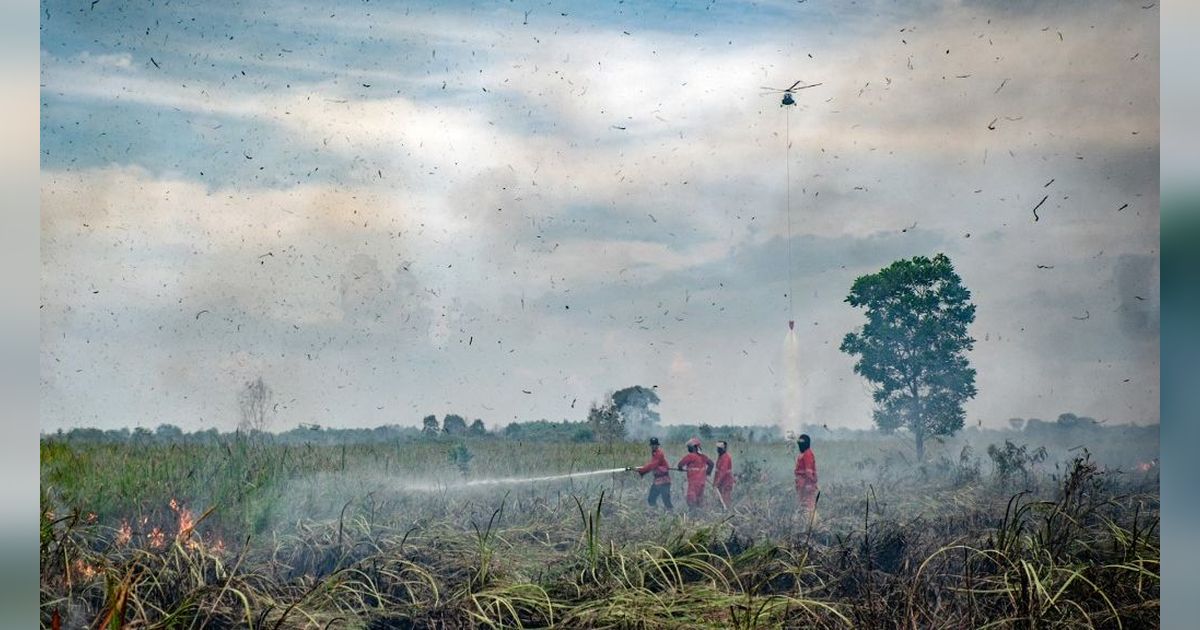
246 534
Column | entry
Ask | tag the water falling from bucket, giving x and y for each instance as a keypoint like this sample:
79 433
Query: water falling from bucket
791 379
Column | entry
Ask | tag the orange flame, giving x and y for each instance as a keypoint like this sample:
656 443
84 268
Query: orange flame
124 534
84 569
187 522
187 526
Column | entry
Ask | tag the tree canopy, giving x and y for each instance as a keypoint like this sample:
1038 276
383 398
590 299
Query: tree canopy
637 397
454 424
912 348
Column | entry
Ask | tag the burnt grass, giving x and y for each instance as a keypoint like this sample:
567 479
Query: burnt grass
266 537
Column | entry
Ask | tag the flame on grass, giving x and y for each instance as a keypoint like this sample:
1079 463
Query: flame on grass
186 533
84 570
187 523
156 538
124 534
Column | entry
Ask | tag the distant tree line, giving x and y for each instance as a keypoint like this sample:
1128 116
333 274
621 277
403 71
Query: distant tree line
451 426
1066 427
568 431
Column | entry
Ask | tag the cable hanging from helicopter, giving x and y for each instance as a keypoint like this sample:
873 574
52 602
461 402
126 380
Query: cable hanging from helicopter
787 102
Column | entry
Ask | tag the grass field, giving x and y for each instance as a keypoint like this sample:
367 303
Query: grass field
241 532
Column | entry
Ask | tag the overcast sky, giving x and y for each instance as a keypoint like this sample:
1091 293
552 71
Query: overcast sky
507 212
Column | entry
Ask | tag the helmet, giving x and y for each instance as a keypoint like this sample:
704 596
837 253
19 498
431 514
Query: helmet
694 442
653 441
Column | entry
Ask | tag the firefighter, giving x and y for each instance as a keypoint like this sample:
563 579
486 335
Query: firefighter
723 480
658 465
806 475
698 466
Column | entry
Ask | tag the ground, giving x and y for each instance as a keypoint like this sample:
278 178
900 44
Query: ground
237 532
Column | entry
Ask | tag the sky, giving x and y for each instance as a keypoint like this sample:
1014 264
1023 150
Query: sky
507 211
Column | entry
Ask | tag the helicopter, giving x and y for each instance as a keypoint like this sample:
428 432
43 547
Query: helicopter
787 92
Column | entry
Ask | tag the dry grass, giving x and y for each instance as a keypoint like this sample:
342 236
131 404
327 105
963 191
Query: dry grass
273 537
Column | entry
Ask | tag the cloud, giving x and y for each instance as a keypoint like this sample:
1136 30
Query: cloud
94 62
581 210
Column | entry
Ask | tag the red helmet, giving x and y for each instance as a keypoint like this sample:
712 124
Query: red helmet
694 442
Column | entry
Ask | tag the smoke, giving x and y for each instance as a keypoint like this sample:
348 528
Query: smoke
1136 281
636 406
791 381
639 423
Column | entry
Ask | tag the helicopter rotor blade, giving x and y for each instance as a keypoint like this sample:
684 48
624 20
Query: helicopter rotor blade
795 87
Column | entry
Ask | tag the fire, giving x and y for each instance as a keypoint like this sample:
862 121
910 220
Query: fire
1147 466
84 569
187 526
156 538
124 534
186 520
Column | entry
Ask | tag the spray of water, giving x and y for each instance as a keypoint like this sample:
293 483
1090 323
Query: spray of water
791 380
444 486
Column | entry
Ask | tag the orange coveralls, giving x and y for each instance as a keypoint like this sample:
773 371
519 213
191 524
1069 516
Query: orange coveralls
697 465
723 480
806 480
661 488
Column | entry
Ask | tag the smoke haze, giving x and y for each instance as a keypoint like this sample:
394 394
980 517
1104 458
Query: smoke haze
391 212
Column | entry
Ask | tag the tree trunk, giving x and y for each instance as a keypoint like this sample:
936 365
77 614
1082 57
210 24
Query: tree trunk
918 421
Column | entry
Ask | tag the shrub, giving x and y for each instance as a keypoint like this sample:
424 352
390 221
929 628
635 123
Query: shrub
1013 459
461 456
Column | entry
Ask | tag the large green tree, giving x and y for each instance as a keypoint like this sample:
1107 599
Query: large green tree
912 349
635 405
